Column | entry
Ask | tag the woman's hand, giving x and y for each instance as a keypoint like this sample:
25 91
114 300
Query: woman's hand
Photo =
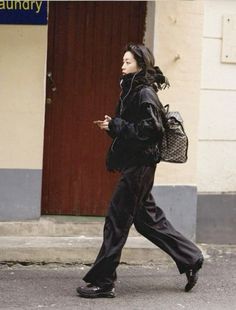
103 124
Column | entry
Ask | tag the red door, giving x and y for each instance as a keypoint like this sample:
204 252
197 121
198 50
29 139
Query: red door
85 43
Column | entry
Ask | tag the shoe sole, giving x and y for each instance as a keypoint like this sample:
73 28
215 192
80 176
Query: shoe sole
98 295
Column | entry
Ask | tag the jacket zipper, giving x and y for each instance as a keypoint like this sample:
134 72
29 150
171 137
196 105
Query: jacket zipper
122 106
122 100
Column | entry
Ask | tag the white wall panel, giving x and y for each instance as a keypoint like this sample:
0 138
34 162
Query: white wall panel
216 75
228 54
22 95
22 140
178 30
218 115
214 10
216 166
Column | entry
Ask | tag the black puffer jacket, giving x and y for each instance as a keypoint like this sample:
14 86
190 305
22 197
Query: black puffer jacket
137 127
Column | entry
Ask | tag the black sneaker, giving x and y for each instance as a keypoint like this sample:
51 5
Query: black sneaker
192 275
92 291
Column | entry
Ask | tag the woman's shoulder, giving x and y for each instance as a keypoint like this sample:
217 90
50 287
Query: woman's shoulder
147 90
147 94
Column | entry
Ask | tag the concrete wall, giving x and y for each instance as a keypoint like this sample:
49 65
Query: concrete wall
217 131
22 92
150 25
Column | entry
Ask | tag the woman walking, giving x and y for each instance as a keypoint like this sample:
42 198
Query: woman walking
137 131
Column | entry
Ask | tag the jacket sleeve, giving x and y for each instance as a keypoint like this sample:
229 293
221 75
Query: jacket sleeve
111 134
150 128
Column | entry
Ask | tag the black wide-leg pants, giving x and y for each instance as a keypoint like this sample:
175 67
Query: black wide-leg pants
133 203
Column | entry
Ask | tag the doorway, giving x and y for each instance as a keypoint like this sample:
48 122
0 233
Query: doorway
85 50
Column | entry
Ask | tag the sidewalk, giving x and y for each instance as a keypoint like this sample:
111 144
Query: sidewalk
67 240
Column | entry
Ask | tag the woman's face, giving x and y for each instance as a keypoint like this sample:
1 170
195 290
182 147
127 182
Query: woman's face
129 64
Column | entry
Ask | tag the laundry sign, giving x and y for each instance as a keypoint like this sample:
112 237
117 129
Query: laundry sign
23 12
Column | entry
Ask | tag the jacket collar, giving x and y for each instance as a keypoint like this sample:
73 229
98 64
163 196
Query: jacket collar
128 83
132 80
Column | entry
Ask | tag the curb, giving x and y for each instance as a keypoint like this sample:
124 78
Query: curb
83 250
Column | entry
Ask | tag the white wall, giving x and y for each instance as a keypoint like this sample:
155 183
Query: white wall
22 95
217 127
177 50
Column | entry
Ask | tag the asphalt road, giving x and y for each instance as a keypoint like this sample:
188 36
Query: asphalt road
158 287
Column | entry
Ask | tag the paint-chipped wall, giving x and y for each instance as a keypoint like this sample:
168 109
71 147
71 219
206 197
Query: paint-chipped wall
178 49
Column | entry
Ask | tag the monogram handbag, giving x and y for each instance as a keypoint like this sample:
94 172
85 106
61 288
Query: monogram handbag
174 147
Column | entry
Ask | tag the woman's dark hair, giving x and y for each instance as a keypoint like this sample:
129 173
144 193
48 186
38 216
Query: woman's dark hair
142 55
146 62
